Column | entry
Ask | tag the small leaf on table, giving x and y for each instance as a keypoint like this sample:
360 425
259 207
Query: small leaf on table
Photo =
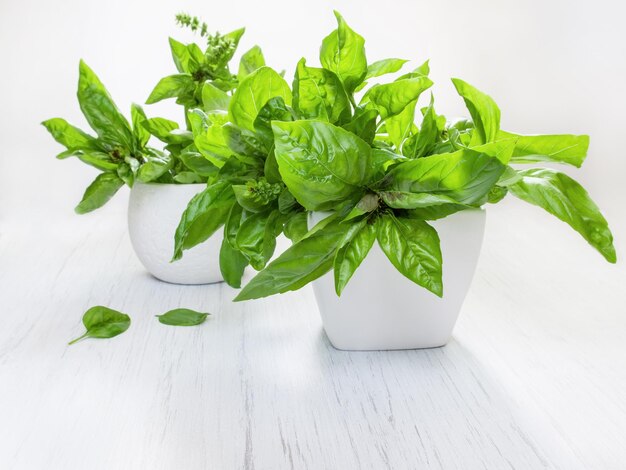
182 317
103 322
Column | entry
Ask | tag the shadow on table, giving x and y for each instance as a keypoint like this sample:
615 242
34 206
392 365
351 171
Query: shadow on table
438 399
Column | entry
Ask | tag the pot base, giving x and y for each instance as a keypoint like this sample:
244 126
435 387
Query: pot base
184 283
369 348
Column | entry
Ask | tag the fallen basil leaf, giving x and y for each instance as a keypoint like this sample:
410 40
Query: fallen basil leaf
182 317
103 322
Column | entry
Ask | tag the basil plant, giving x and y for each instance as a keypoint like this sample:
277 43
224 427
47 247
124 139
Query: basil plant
247 196
119 149
380 177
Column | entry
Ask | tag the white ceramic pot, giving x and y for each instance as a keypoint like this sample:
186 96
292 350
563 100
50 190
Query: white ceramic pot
381 309
154 211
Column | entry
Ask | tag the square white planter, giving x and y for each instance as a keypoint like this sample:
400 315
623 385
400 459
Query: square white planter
381 309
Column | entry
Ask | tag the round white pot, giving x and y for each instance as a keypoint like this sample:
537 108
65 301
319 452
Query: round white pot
381 309
154 211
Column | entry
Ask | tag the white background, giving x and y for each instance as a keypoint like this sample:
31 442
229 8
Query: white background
552 66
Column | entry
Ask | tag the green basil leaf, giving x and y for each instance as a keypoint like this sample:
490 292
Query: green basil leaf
343 52
500 149
460 124
270 168
197 163
300 264
350 256
231 226
319 94
138 117
69 136
413 248
101 161
274 110
101 112
196 57
435 212
286 201
483 109
234 37
236 172
99 192
68 153
363 124
182 317
382 159
407 200
103 322
126 174
160 128
321 164
509 177
424 141
392 98
232 264
171 87
421 71
567 200
383 67
188 177
250 61
214 99
156 165
464 176
211 141
256 237
400 126
368 203
244 143
296 226
496 194
232 261
205 213
564 148
182 57
253 93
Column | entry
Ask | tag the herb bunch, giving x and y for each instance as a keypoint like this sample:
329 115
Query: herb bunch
382 178
120 150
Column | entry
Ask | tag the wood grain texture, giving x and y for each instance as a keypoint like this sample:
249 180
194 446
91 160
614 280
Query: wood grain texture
533 379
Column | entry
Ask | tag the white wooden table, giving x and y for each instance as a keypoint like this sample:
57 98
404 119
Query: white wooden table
535 377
